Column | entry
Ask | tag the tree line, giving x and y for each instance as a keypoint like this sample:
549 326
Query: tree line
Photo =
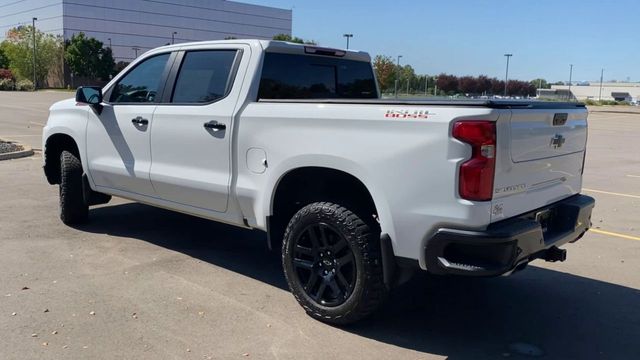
388 73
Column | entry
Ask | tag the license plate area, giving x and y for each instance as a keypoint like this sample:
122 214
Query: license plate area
554 221
544 217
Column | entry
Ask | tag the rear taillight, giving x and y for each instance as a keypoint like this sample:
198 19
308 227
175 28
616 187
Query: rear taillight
476 174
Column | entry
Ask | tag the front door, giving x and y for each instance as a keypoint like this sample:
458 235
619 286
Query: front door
191 133
118 138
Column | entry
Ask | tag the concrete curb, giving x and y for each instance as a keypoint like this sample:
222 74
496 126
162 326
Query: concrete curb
27 151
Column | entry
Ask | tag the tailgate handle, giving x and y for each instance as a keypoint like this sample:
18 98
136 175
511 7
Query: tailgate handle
560 119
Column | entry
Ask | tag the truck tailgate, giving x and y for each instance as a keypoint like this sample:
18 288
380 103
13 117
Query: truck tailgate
539 159
539 134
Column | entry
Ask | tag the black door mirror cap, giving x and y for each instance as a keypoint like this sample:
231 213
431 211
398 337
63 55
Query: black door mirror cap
90 95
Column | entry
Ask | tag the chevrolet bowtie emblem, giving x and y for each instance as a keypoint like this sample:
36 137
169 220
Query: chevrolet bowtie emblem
557 141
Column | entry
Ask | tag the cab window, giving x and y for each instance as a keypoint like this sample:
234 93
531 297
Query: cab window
142 84
204 77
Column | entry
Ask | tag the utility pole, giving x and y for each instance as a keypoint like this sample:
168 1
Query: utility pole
395 91
506 76
600 92
348 36
570 78
173 34
110 47
135 48
426 84
33 28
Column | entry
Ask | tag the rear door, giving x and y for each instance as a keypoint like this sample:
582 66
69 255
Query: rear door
192 128
539 159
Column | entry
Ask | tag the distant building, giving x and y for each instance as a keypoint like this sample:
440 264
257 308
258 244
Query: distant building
621 96
610 91
132 27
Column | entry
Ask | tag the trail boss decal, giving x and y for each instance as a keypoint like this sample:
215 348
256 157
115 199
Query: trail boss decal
407 114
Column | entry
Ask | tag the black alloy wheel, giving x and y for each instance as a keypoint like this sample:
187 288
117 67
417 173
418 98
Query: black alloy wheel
332 263
324 263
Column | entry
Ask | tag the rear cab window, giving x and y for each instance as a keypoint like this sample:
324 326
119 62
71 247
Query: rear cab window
293 76
205 76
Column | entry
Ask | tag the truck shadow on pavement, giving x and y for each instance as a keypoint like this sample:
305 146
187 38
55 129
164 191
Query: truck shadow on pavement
534 313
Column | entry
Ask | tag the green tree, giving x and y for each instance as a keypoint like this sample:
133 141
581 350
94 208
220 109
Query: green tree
385 71
293 39
540 84
4 60
87 57
18 49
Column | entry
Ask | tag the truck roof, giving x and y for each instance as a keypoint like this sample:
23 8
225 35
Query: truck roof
277 46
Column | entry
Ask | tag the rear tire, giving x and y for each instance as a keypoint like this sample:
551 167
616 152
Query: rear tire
73 208
332 263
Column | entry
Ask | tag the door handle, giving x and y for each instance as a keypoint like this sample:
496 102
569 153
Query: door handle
140 121
215 126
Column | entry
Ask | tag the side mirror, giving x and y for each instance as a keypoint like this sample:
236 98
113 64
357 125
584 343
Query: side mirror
91 95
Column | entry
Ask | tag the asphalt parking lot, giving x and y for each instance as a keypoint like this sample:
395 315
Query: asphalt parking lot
144 283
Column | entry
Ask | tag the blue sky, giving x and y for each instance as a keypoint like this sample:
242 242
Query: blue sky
470 37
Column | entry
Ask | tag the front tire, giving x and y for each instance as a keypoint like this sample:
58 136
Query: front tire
332 263
73 208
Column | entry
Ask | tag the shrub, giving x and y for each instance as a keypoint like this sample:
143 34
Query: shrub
6 84
25 85
6 74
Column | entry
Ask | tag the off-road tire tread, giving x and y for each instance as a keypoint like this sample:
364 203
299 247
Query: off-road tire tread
360 236
73 208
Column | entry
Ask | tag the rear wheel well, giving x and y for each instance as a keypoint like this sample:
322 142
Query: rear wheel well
54 146
304 186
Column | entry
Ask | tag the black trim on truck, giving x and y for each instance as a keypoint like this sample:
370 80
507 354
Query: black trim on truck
494 104
510 244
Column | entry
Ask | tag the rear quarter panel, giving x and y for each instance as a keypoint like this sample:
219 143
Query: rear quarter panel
408 163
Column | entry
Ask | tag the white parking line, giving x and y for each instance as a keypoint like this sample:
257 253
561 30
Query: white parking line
633 176
611 193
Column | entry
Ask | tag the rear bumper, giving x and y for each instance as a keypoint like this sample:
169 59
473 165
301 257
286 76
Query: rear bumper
509 244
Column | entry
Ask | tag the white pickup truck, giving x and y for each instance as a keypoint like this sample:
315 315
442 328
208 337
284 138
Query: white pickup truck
358 191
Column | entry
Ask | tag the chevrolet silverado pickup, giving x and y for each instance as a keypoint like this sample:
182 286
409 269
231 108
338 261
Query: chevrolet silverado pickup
357 191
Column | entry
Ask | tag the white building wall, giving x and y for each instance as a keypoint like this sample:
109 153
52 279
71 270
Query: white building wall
15 13
593 90
147 24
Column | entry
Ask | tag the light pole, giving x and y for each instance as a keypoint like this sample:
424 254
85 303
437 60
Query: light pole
395 91
348 36
110 43
33 28
570 76
135 48
426 84
600 92
506 76
173 34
